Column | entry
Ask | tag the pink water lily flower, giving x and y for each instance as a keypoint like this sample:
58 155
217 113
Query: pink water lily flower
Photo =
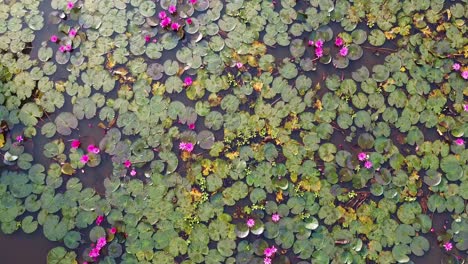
188 81
72 33
127 164
368 164
186 146
172 9
101 242
189 21
339 42
162 15
166 22
273 249
99 219
93 149
362 156
344 51
319 43
113 230
70 5
465 107
456 66
192 2
189 147
448 246
250 222
68 47
268 252
319 52
175 26
19 138
460 142
310 43
191 126
464 74
147 38
75 144
133 172
53 38
239 65
62 49
267 260
84 159
275 217
182 145
94 253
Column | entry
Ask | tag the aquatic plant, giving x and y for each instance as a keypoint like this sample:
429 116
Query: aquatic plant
235 131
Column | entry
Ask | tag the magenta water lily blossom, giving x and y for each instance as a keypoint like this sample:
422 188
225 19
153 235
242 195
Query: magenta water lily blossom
362 156
127 164
162 15
275 218
72 33
172 9
70 5
250 222
84 159
166 22
101 242
319 43
75 144
464 74
188 81
456 66
460 142
99 219
339 42
319 52
368 164
186 146
344 51
53 38
93 149
175 26
448 246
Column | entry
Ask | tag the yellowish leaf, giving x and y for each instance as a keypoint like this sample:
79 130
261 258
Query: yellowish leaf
67 169
258 86
158 88
195 194
232 155
318 104
389 35
279 196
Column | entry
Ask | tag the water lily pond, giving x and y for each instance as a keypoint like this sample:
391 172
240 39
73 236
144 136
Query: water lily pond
239 131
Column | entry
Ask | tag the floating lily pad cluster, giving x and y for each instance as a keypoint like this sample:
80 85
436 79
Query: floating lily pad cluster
249 132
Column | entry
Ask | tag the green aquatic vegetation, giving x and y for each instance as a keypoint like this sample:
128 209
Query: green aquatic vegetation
234 132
